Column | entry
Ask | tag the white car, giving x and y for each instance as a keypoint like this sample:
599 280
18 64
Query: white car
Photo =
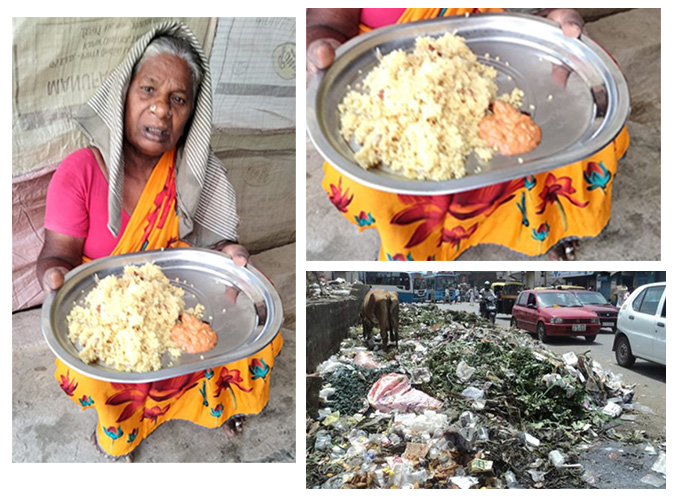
641 326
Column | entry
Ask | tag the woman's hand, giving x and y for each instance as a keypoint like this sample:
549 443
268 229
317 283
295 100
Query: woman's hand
571 22
326 30
320 54
238 253
54 278
60 254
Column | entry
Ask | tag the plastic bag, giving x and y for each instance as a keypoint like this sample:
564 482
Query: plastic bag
473 392
365 360
323 441
393 392
464 371
429 422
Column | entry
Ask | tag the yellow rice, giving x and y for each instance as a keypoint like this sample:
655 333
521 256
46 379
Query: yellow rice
126 321
418 113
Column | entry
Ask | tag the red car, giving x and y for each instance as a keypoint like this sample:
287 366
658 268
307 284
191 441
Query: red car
554 313
595 302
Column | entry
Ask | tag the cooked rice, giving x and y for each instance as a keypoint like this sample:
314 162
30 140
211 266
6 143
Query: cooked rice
418 113
126 321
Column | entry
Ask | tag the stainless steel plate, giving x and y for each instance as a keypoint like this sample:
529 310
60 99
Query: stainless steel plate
530 53
245 322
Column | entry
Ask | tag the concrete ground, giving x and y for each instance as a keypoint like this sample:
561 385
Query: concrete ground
634 233
48 427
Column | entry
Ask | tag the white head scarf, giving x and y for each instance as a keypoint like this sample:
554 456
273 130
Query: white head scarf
206 199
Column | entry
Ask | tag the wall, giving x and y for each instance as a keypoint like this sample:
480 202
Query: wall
327 323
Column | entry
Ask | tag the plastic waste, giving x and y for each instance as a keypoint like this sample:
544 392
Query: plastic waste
529 439
473 392
660 464
393 392
557 458
612 409
332 419
537 476
365 360
478 404
554 379
482 434
467 418
429 422
331 365
465 482
326 393
464 371
653 480
421 375
511 480
588 477
323 441
570 358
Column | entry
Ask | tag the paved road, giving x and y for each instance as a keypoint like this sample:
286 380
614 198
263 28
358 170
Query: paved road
649 378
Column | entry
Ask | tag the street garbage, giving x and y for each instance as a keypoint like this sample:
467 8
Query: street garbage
393 392
461 403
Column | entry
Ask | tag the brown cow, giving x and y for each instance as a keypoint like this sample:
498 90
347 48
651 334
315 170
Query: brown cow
381 308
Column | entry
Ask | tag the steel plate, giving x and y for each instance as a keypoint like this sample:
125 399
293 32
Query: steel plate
244 324
577 119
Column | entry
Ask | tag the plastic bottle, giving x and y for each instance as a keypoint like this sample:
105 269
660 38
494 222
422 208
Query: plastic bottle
557 458
323 441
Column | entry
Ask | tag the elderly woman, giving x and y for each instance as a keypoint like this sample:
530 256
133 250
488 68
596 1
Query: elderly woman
543 213
150 181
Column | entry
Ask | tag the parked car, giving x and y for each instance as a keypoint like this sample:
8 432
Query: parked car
641 326
597 303
554 313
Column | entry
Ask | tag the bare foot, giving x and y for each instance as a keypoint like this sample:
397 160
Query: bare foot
129 457
234 426
564 251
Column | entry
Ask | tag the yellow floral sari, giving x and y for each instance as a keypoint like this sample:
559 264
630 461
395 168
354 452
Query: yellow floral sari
128 413
529 216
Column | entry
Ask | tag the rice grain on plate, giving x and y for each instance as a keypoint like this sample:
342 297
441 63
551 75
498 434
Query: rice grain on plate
418 113
126 321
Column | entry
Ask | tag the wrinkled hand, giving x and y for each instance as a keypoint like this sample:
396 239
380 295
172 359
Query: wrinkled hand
238 253
571 22
320 54
54 278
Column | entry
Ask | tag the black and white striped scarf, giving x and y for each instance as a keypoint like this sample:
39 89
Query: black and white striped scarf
206 199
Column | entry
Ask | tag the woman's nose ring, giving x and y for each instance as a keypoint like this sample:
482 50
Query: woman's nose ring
153 108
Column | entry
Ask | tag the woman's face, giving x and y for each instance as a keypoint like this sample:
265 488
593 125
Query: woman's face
158 105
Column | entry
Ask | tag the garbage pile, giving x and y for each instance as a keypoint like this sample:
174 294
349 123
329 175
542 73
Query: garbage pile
460 404
322 289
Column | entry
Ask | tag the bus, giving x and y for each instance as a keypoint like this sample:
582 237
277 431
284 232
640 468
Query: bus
413 287
423 287
443 281
399 282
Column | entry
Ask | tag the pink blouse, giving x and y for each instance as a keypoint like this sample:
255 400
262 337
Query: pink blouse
76 204
377 18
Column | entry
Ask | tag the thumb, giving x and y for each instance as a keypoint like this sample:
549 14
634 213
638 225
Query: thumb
54 278
321 52
570 21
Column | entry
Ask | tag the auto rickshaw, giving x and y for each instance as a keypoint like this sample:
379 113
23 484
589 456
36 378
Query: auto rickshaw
506 294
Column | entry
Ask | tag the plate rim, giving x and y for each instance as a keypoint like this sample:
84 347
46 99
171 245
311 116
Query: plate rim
94 371
473 181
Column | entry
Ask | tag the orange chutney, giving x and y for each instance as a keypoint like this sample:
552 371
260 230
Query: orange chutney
193 335
509 131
